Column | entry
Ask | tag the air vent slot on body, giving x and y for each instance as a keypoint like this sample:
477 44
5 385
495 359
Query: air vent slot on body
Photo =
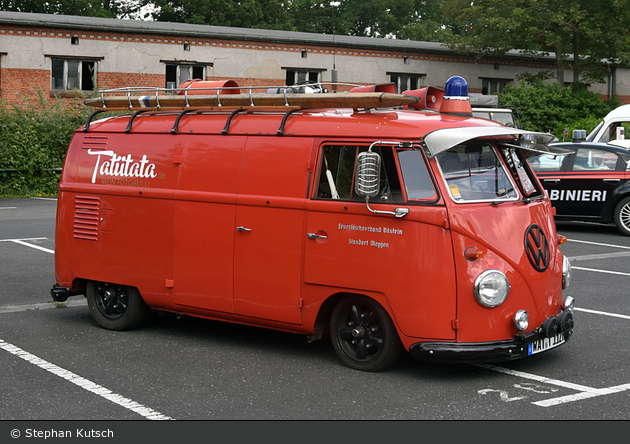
86 217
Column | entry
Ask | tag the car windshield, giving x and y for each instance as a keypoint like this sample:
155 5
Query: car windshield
474 173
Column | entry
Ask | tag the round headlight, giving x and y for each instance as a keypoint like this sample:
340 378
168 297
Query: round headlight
566 272
491 288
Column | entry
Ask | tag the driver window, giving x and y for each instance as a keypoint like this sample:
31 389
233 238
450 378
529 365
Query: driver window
337 174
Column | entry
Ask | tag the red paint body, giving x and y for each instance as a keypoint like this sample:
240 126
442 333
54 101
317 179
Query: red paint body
162 214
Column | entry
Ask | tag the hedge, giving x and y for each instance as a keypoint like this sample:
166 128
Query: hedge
551 108
34 137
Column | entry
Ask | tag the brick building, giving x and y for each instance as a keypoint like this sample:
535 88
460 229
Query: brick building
63 54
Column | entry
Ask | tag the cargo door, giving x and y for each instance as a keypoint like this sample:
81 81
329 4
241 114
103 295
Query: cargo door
406 260
269 228
204 222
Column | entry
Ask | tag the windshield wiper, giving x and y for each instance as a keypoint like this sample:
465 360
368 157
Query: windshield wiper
533 198
527 200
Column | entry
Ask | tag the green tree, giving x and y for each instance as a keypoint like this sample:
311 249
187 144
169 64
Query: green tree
407 19
427 23
403 19
103 8
588 30
266 14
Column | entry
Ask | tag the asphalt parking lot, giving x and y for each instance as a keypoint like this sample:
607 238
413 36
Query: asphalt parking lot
58 365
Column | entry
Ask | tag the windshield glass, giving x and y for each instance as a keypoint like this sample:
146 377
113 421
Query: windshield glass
591 136
474 173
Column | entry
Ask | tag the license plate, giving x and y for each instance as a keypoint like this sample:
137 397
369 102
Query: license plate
544 344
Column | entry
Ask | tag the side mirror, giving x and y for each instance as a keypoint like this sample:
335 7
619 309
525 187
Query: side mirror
367 183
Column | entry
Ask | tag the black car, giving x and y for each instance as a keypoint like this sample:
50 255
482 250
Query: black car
591 184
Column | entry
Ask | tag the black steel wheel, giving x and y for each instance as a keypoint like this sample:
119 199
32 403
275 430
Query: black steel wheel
363 335
622 216
116 307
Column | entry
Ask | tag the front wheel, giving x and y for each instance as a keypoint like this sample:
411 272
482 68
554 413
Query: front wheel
622 216
363 335
116 307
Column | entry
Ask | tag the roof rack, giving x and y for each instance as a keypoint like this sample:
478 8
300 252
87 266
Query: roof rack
199 94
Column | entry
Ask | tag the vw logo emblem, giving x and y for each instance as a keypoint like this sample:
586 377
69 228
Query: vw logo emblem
537 247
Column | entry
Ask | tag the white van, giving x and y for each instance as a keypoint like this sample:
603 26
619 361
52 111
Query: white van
612 129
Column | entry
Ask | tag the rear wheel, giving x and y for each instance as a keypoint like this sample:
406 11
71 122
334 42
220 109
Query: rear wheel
363 335
622 216
116 307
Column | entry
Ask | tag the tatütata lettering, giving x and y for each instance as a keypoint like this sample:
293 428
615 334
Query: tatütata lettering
578 195
122 166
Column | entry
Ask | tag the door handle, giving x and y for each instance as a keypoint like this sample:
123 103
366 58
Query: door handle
612 180
243 229
551 180
316 236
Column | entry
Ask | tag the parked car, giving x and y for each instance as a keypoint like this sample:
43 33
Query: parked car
592 184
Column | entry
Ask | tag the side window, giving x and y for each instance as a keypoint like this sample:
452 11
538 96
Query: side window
178 74
337 174
545 163
68 75
405 82
299 76
494 86
418 184
595 160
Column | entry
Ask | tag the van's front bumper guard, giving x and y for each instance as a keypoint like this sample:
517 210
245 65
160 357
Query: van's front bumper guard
554 332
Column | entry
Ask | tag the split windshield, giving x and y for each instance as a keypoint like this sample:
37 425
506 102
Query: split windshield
473 172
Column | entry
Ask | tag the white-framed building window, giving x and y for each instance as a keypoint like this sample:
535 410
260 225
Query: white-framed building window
405 82
494 86
296 76
176 74
68 74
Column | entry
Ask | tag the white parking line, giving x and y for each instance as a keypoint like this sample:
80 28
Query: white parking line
24 239
583 395
601 271
58 371
83 383
22 242
598 243
603 313
585 392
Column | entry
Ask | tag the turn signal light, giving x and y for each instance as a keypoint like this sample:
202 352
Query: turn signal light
472 254
561 239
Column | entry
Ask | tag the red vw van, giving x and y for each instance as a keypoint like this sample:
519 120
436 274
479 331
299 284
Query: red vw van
387 222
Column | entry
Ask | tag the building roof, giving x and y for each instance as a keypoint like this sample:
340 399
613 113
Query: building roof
228 33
